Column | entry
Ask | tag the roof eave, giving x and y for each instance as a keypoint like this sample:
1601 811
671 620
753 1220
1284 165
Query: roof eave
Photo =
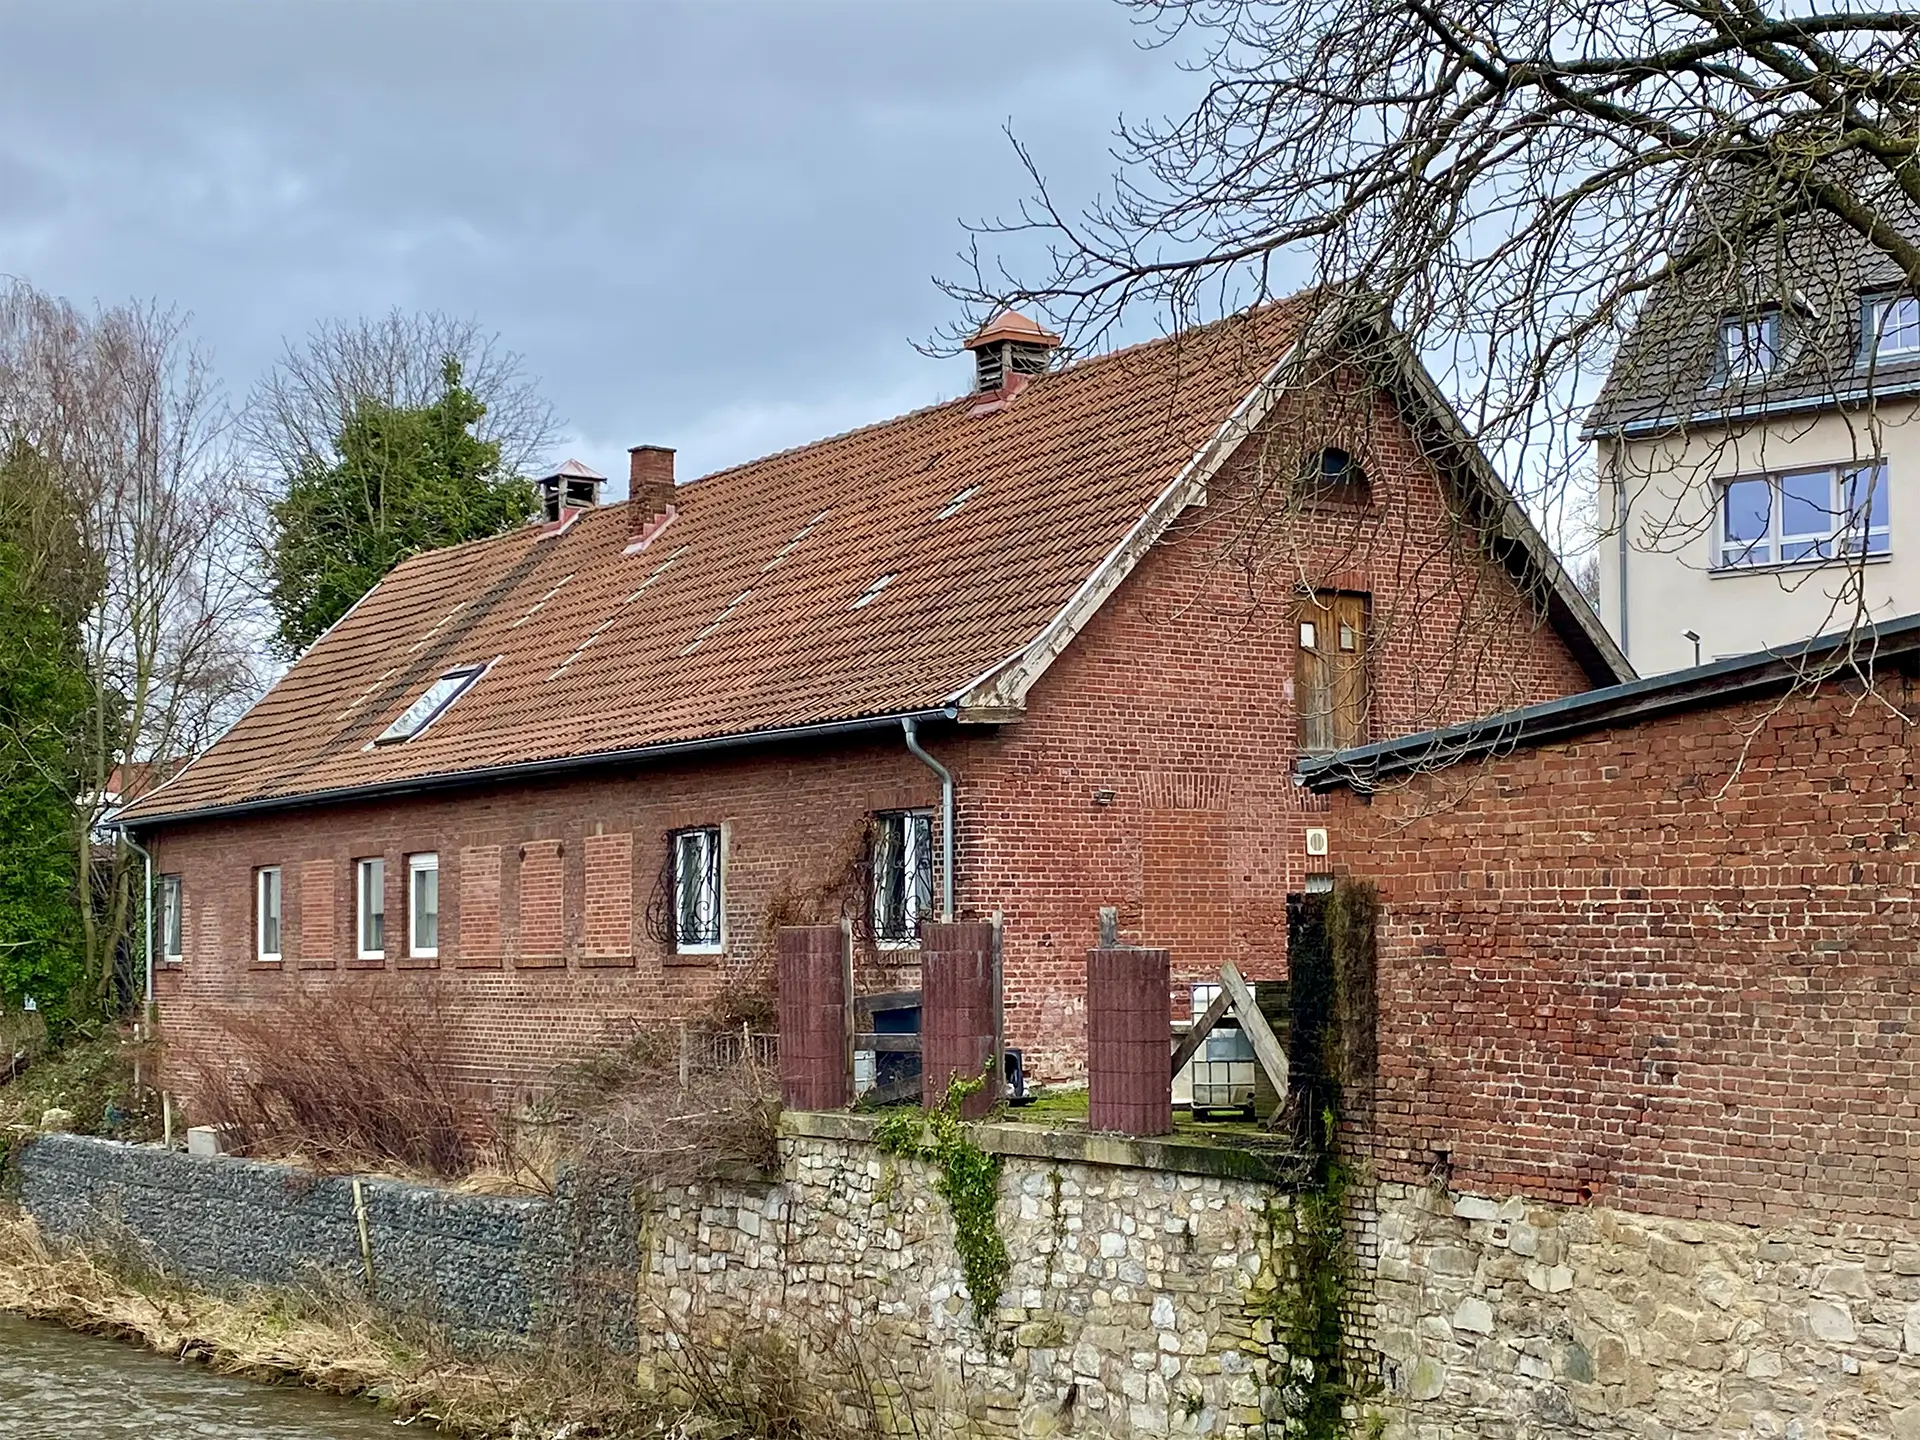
522 771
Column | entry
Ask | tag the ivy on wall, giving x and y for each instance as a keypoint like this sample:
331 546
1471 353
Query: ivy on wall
967 1178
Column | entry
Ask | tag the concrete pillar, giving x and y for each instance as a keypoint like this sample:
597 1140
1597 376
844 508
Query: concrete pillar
960 1011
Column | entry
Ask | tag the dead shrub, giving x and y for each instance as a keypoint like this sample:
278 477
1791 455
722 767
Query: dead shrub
344 1083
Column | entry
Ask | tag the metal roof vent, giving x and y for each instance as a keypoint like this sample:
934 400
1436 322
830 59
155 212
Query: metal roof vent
1010 345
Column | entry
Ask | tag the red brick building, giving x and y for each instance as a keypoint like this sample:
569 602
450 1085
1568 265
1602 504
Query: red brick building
1653 947
569 780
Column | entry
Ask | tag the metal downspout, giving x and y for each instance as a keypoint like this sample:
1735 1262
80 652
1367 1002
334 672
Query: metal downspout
912 728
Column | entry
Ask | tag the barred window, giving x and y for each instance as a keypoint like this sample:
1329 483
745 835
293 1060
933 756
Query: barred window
902 874
172 929
696 889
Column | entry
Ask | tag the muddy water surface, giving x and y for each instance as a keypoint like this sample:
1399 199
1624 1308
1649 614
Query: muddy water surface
55 1383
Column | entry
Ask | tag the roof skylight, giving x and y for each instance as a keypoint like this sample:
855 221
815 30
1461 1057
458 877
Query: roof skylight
788 548
866 595
431 705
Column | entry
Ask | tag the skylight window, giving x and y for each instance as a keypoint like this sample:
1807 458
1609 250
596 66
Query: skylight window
953 505
788 548
431 705
866 595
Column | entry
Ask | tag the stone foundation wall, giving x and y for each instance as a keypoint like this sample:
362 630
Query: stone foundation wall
1135 1304
1511 1320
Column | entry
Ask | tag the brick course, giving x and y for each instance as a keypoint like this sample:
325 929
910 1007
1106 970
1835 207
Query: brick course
1667 967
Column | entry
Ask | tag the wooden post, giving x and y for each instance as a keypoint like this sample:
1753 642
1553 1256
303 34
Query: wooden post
1267 1048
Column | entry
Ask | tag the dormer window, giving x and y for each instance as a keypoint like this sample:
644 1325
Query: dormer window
431 705
1893 326
1749 346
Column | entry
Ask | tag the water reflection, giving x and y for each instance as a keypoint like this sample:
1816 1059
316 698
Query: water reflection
54 1382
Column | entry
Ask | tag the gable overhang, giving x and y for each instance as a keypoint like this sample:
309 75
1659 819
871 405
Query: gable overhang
443 781
999 694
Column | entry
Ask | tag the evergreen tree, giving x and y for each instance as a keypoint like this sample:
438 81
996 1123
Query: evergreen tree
404 480
44 698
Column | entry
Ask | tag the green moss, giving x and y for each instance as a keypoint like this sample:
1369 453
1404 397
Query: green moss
968 1180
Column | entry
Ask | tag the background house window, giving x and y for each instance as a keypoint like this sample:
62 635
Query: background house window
1893 325
370 884
1749 345
1804 515
696 890
902 874
266 910
172 921
1330 673
423 905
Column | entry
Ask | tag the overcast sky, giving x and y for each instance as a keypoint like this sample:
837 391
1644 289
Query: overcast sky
711 226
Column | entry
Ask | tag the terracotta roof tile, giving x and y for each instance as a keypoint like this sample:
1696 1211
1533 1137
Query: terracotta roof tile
739 615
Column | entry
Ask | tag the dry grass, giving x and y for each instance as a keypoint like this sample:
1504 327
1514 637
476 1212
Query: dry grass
756 1387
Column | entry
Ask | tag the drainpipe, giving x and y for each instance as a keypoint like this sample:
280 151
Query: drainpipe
912 727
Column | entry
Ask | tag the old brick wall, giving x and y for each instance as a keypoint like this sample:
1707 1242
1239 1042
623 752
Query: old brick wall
1178 699
1670 967
544 949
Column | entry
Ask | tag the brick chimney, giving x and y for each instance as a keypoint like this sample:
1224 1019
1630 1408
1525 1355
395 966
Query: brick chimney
650 489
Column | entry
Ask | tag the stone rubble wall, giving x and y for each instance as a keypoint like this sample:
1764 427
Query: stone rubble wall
1133 1307
1514 1320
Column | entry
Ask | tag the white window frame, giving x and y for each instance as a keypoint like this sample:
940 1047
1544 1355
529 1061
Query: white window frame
685 842
431 704
417 865
266 879
916 829
173 919
362 913
1755 359
1840 540
1879 310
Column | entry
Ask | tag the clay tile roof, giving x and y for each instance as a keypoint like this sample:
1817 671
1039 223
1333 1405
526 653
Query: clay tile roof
739 616
1012 325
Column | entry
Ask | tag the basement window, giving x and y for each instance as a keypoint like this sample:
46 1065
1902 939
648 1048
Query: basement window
866 596
902 875
431 705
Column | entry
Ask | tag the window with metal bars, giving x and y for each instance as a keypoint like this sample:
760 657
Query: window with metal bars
693 889
902 874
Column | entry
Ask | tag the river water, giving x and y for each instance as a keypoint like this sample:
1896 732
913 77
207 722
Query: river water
56 1383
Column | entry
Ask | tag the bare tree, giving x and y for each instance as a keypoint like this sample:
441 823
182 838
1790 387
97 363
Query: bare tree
296 413
120 408
1517 179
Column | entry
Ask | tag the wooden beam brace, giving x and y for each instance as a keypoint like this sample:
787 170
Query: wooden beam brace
1196 1037
1267 1048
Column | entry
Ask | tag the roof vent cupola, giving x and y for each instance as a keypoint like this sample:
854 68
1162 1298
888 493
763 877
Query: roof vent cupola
572 487
1009 348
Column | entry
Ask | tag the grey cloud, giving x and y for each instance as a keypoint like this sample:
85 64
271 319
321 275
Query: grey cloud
711 225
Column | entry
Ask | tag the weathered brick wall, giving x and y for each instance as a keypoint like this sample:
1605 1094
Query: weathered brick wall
1177 699
1669 967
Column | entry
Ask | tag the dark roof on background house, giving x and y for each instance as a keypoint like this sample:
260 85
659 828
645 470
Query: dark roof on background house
1817 272
1860 651
932 564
